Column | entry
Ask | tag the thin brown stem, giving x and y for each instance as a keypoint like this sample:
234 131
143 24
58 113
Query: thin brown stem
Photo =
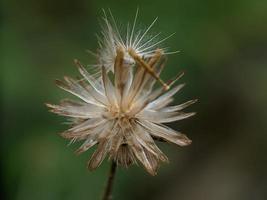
110 182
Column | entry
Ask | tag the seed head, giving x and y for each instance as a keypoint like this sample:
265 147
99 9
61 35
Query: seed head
123 113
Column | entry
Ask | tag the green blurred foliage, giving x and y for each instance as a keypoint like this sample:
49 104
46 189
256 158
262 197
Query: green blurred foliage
224 54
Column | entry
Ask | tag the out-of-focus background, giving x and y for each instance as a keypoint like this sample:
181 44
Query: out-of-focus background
224 54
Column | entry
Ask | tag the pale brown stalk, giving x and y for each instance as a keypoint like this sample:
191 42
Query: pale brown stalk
141 62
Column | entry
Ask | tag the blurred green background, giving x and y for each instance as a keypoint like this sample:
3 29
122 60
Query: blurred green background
224 54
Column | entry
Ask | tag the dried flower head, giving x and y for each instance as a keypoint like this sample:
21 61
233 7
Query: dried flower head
123 113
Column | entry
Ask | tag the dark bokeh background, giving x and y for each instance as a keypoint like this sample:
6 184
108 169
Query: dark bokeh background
224 53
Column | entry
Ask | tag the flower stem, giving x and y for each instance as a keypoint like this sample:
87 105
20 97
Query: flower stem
109 186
